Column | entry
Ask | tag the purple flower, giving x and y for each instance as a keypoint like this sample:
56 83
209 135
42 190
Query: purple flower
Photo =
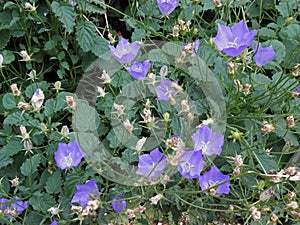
164 91
298 89
263 55
125 52
233 40
86 192
167 6
54 223
190 164
17 205
212 178
151 165
68 155
118 204
209 142
139 70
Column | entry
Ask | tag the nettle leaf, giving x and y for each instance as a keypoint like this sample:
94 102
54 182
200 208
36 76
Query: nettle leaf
30 165
88 39
65 13
53 184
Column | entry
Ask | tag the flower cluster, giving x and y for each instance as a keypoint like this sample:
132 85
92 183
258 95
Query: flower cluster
190 163
12 207
234 40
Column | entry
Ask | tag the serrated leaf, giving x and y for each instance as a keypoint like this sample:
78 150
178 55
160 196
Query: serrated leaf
266 32
65 13
53 184
9 101
30 165
280 50
12 148
15 118
88 39
4 38
4 161
41 201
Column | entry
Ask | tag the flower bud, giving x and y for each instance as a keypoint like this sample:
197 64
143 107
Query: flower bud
166 117
105 77
29 7
128 126
57 86
25 55
238 85
139 145
292 205
65 131
24 133
32 75
37 99
111 38
101 91
163 71
246 90
15 182
217 3
151 77
28 146
43 127
238 160
231 68
289 20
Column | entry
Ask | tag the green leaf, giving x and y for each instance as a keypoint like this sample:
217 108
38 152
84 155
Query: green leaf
49 107
30 165
129 155
32 88
4 38
266 162
15 118
266 33
8 56
65 13
88 39
49 45
53 184
41 201
9 101
12 148
4 161
280 50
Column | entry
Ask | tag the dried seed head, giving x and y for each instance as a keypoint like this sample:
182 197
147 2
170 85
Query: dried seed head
15 90
267 127
175 31
290 121
154 200
246 90
71 102
231 68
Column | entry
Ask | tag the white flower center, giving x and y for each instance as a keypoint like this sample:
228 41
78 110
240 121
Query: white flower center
211 183
233 44
121 52
187 167
68 161
204 146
